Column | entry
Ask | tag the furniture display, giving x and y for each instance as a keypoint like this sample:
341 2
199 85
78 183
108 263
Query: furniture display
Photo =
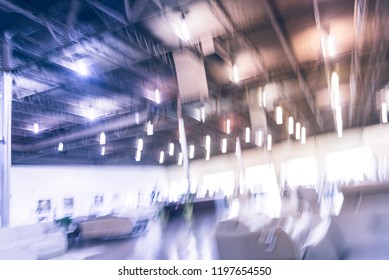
350 236
106 227
29 242
271 241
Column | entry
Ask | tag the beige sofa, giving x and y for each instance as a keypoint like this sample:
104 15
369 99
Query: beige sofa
29 242
236 241
106 227
350 236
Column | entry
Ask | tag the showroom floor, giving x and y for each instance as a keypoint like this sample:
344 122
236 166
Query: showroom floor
180 239
175 239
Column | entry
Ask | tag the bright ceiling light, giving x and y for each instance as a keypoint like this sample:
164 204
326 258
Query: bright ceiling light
157 96
339 121
180 26
279 115
171 149
191 151
91 114
264 98
149 128
81 68
237 147
228 126
138 155
290 125
102 138
247 136
269 142
140 144
36 128
335 90
224 145
298 131
185 30
207 155
102 151
235 73
161 157
207 142
303 135
180 158
202 114
384 112
60 147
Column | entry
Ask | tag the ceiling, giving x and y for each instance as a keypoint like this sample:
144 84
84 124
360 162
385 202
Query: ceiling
70 57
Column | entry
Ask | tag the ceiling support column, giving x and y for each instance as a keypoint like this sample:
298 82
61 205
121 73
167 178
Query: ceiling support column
5 135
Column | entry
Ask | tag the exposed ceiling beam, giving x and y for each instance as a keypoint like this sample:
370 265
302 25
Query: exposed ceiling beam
377 60
360 8
134 10
109 11
108 126
225 19
293 62
322 47
144 43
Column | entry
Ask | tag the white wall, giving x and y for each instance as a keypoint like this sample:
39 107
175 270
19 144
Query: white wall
117 184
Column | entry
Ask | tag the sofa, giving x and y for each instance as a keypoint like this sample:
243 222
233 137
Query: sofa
350 237
269 240
35 241
106 227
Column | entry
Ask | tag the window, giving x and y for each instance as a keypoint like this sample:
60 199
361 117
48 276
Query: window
350 166
299 172
261 179
213 182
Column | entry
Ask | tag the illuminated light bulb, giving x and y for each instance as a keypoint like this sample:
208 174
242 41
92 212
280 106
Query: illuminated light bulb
202 113
191 151
36 128
161 157
91 114
384 112
303 135
150 128
224 145
279 115
298 131
208 154
185 30
207 142
81 68
180 158
140 144
247 136
259 138
331 45
138 155
290 125
157 96
269 142
102 138
235 73
171 149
